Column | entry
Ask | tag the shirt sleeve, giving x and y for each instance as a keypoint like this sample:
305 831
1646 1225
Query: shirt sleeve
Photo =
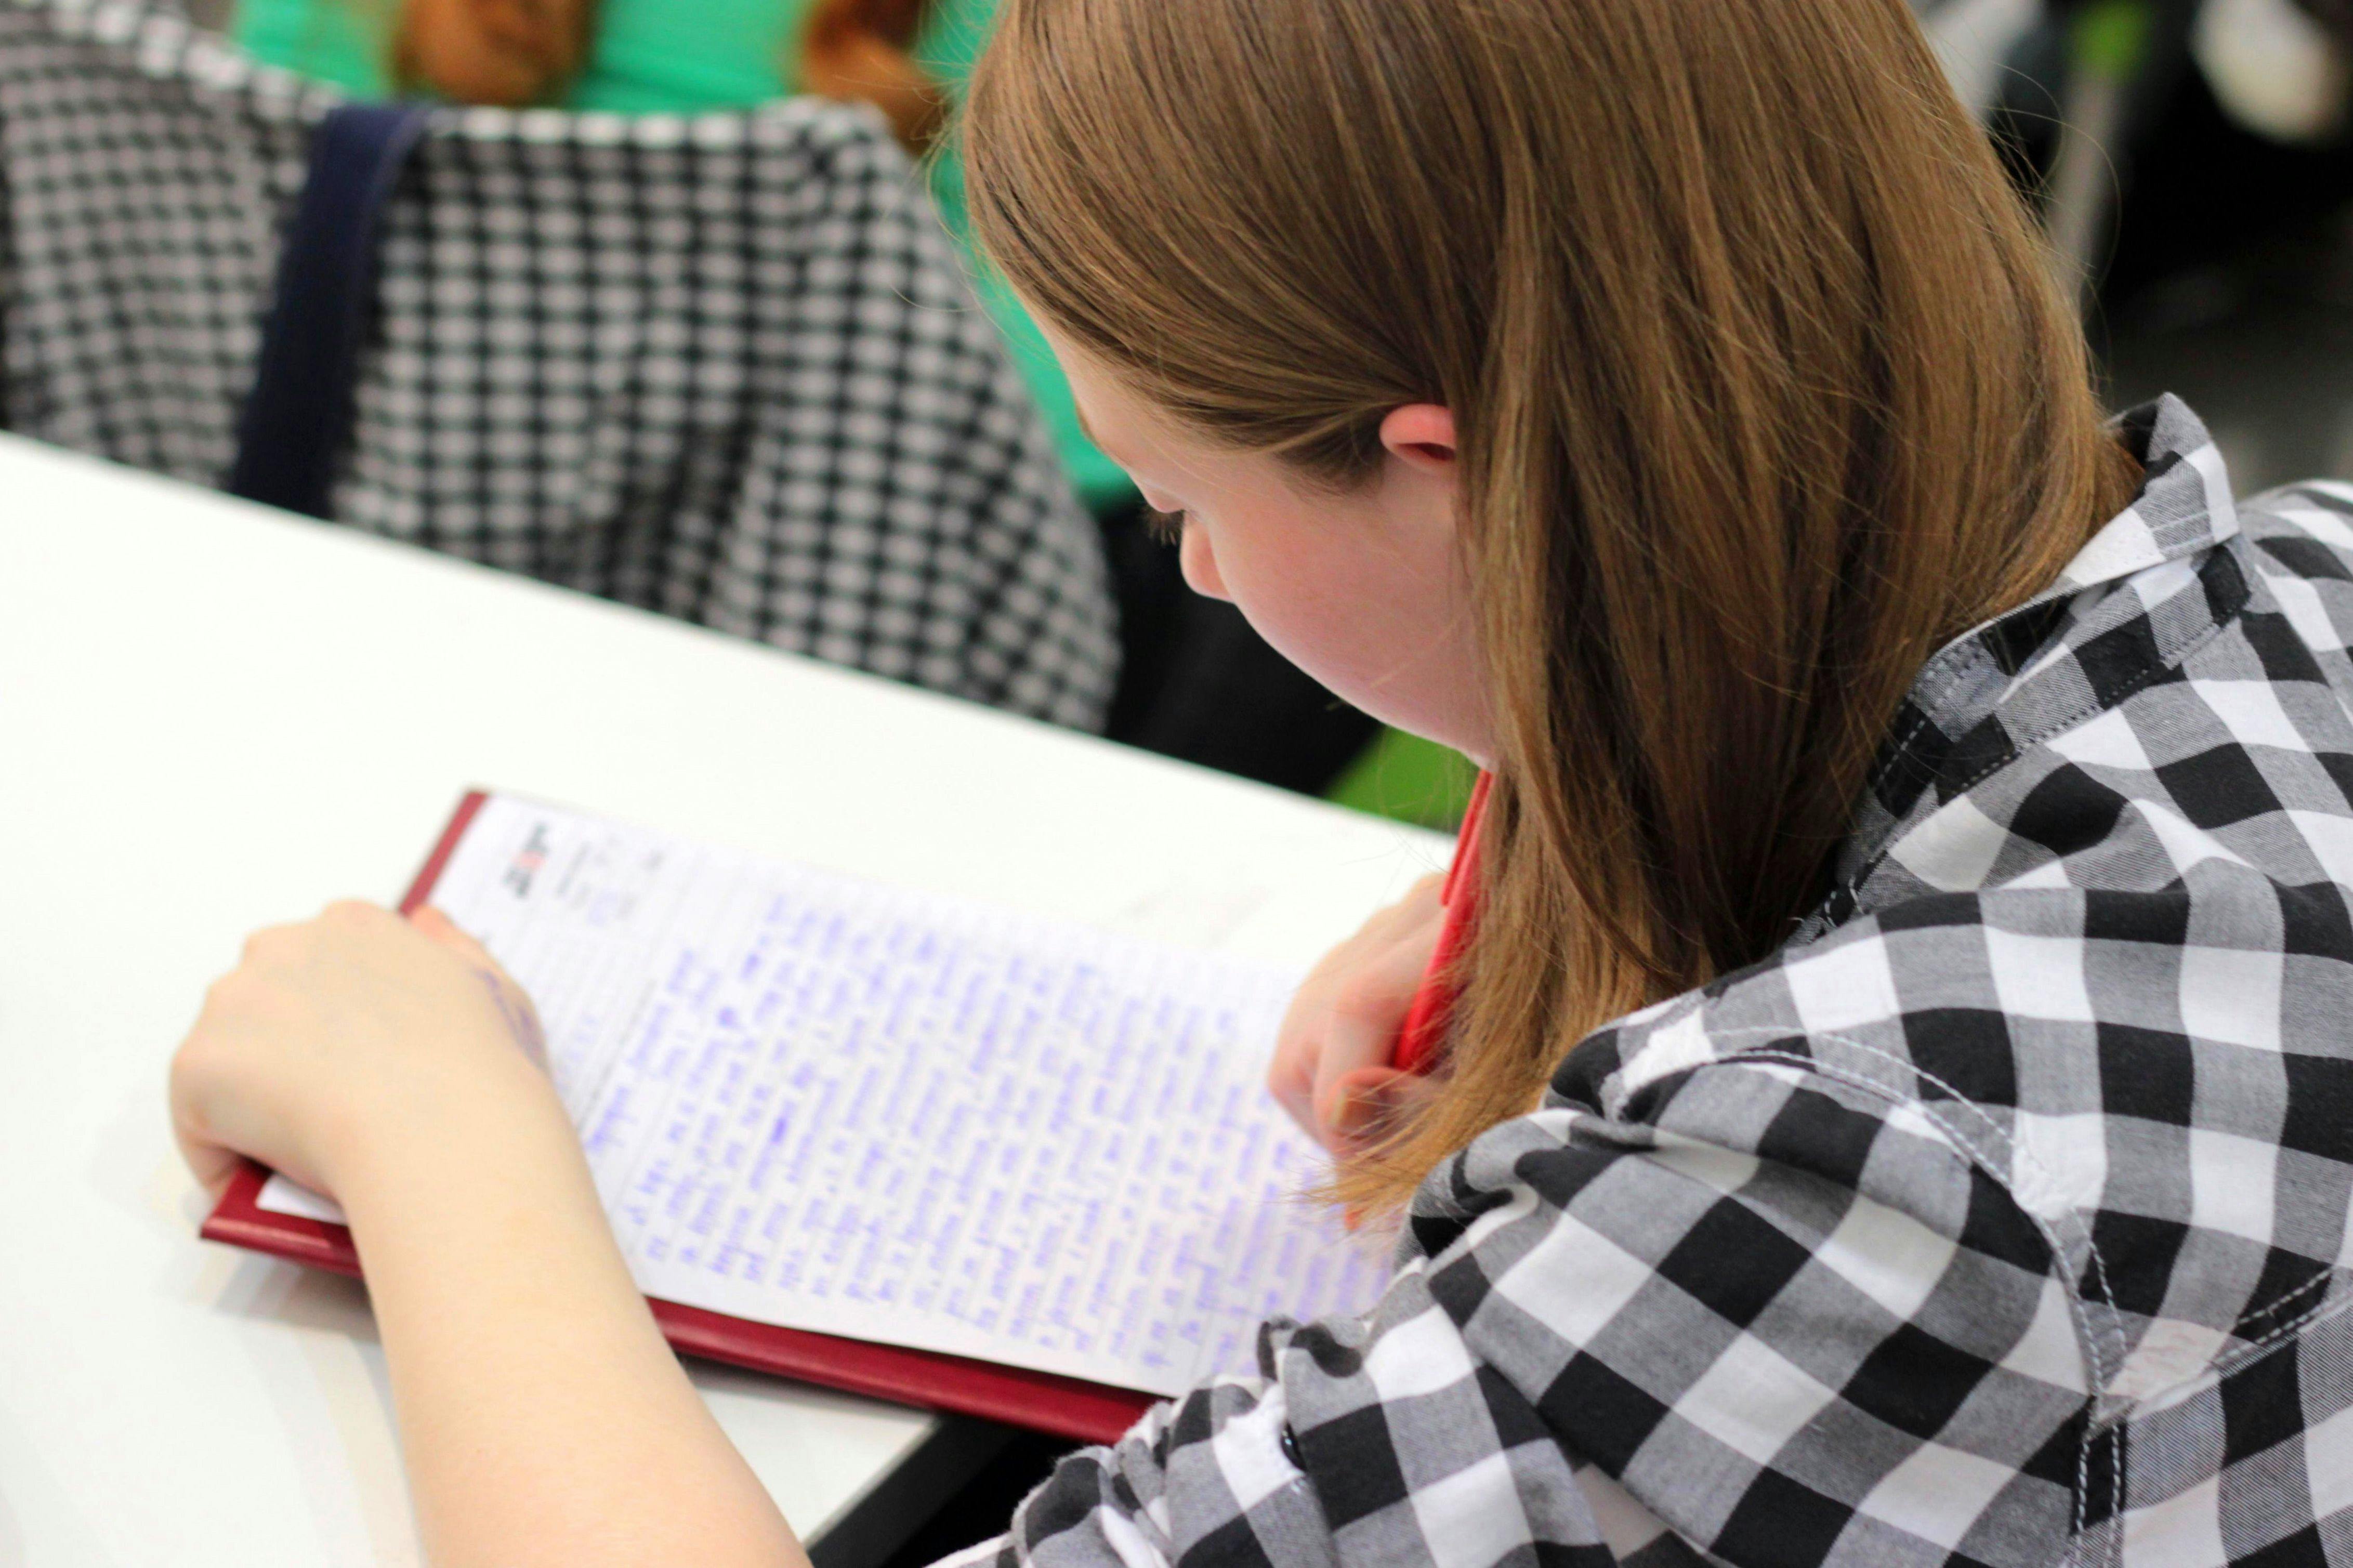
1789 1315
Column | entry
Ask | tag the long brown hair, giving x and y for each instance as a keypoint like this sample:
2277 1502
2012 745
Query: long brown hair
518 52
1763 391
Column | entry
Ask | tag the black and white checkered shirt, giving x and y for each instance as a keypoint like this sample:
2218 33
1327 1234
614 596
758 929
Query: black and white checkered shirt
1999 1219
724 366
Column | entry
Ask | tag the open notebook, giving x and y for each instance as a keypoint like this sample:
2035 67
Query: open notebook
917 1146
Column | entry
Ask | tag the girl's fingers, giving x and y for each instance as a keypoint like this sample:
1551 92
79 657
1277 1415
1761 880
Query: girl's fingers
207 1159
1368 1099
446 932
1347 1012
1306 1023
211 1164
514 1006
1291 1072
1361 1029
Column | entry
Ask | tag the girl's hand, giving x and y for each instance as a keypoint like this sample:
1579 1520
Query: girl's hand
355 1032
381 1061
1331 1068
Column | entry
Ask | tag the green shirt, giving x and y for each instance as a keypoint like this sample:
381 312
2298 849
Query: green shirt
687 56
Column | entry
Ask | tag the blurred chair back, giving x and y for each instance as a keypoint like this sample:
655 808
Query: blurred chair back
724 367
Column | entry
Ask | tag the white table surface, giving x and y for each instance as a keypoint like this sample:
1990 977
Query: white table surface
214 718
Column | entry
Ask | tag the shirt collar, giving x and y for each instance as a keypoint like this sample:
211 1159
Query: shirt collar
2149 586
2181 510
2184 505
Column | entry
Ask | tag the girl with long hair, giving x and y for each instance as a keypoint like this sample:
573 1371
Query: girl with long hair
1893 1103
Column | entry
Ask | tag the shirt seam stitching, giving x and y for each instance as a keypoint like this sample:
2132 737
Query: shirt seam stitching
2088 1347
2021 744
1979 1156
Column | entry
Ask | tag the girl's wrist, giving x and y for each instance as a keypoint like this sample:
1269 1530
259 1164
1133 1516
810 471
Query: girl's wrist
508 1131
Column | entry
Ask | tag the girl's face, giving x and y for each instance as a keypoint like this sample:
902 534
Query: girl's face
1365 590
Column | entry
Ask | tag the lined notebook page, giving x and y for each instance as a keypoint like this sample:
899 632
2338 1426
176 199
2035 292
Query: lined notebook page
835 1105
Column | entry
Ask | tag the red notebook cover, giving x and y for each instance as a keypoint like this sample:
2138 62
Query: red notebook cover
1065 1406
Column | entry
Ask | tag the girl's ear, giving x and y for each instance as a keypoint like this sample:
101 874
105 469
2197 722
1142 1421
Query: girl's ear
1422 435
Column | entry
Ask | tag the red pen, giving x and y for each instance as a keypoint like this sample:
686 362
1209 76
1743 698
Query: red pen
1432 1011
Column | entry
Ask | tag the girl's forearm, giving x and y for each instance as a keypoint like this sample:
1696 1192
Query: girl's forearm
543 1418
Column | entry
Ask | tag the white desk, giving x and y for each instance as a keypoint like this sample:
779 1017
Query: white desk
214 718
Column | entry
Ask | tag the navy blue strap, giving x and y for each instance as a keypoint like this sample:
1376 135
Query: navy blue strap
298 416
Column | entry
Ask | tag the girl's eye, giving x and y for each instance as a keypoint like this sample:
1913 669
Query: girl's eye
1168 527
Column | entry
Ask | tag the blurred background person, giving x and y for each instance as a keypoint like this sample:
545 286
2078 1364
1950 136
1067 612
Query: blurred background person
2189 158
1196 681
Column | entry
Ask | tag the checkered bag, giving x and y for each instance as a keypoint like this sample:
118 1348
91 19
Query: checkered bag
724 367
